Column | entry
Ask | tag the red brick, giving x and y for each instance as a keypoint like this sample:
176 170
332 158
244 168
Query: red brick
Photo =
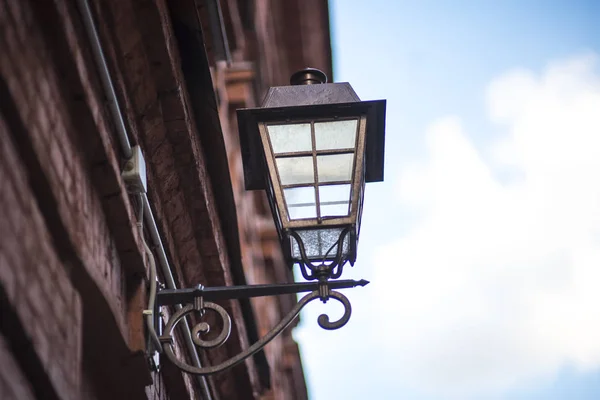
11 37
13 385
60 381
194 235
13 219
10 246
36 297
57 157
7 278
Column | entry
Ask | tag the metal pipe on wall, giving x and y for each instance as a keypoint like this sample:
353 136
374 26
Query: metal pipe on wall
107 83
170 283
109 89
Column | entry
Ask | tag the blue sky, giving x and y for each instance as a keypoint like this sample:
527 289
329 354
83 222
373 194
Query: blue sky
483 241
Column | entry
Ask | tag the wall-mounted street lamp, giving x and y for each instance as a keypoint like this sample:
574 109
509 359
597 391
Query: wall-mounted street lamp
312 146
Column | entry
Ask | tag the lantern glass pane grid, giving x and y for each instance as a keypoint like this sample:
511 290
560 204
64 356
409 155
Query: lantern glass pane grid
315 163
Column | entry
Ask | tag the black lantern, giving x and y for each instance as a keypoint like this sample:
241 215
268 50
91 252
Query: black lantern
312 146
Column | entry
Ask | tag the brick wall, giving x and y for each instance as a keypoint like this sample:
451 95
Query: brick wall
72 269
71 265
41 311
64 233
13 385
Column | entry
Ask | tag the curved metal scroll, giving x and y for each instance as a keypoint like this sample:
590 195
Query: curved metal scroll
167 339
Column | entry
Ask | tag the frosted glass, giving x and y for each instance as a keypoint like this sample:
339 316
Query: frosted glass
295 170
301 202
318 242
336 167
335 134
290 138
334 210
334 200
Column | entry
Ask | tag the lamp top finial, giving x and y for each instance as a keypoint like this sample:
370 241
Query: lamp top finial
308 76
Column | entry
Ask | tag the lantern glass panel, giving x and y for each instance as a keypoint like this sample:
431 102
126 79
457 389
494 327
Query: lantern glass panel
320 244
315 166
288 138
295 170
301 202
335 134
334 200
335 168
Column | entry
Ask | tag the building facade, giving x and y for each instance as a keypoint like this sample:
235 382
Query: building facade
78 80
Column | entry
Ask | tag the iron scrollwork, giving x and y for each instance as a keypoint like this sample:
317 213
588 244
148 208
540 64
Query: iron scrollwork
199 296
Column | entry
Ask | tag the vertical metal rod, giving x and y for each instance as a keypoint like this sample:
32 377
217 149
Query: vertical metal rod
315 171
109 89
170 282
217 30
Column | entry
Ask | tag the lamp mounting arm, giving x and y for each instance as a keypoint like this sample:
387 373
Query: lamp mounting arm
199 301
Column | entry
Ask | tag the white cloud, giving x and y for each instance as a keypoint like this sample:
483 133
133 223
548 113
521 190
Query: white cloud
498 283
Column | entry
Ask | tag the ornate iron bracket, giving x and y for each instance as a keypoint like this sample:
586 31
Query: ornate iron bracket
200 299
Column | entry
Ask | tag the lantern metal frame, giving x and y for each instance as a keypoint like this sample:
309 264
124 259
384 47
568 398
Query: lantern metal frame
314 101
291 228
251 146
357 166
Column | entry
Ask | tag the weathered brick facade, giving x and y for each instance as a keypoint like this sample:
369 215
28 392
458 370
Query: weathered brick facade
73 271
